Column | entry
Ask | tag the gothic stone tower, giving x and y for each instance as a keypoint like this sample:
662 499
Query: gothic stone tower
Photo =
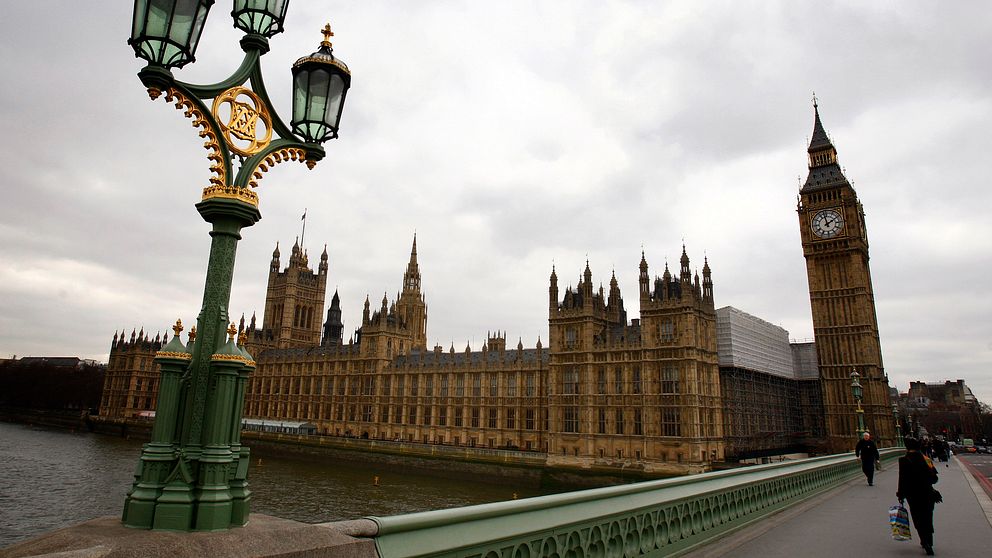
294 302
398 327
648 389
835 244
411 305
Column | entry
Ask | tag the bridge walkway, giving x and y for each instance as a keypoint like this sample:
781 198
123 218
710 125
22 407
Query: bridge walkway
852 521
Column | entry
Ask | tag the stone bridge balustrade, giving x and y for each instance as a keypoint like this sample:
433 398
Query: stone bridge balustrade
654 518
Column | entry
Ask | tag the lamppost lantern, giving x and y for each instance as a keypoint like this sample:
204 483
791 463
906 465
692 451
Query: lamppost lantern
262 17
856 385
895 413
320 85
166 32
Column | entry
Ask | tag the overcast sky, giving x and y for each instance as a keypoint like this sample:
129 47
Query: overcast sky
509 136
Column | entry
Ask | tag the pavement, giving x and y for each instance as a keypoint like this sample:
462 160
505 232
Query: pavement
853 521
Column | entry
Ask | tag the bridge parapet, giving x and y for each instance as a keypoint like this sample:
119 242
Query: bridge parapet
654 518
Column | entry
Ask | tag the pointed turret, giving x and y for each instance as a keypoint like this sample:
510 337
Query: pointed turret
274 267
333 327
411 278
553 291
586 287
685 276
366 311
707 281
644 280
824 171
322 269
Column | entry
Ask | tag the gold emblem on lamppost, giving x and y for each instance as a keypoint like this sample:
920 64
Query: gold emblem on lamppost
244 121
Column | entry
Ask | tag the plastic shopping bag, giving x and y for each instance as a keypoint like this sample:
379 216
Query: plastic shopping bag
899 521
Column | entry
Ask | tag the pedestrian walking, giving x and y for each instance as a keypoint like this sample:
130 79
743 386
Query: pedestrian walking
867 452
917 475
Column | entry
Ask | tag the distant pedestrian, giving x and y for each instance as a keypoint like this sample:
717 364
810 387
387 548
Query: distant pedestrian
917 475
867 452
942 451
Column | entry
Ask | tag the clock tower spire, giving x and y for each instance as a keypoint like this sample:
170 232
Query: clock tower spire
845 327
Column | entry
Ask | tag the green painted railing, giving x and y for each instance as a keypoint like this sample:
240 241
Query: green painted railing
654 518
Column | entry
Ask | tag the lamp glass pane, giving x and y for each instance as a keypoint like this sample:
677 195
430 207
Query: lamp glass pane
318 97
201 17
157 22
300 90
334 95
182 21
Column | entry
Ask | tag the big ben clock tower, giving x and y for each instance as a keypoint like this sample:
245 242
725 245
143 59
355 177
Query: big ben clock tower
835 244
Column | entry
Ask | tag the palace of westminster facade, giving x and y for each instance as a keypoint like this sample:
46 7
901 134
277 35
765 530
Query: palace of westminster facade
604 390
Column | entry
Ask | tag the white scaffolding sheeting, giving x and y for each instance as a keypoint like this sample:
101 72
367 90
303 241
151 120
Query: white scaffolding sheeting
748 342
804 360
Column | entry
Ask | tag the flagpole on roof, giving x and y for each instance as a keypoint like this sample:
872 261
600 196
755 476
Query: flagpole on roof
304 219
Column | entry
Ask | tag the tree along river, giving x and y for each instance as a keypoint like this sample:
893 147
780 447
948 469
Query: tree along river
54 478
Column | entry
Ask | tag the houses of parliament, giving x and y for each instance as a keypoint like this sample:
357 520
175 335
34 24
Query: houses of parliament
605 390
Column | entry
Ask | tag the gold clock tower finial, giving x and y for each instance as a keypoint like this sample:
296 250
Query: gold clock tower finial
178 327
231 332
326 31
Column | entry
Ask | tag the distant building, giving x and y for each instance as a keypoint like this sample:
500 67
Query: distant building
948 409
130 386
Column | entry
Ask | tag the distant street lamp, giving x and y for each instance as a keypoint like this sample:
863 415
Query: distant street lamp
857 392
895 413
192 475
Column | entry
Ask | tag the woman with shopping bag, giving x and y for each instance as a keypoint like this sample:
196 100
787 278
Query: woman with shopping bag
917 475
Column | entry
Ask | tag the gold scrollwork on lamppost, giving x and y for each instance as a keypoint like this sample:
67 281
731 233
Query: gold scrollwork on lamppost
276 157
244 121
191 111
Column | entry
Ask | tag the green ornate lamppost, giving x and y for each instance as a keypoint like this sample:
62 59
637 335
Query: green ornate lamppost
895 413
192 475
857 392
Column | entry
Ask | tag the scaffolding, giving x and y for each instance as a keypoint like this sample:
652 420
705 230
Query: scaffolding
770 388
748 342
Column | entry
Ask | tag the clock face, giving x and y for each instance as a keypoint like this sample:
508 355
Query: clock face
827 223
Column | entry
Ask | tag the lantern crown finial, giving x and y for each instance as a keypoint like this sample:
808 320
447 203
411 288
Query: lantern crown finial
327 33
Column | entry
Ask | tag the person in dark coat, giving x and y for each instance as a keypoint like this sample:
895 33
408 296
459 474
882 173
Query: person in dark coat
867 452
917 475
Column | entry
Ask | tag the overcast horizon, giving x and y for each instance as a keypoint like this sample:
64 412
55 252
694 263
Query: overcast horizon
511 137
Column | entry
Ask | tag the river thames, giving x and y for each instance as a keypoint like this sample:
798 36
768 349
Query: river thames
55 478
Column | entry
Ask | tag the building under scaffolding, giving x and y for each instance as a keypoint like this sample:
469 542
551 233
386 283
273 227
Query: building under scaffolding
769 387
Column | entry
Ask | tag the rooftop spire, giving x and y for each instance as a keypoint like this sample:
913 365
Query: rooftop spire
820 140
411 278
824 172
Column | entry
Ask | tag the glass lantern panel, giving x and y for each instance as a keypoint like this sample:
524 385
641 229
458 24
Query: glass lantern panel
201 17
300 90
335 92
318 100
183 21
157 20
